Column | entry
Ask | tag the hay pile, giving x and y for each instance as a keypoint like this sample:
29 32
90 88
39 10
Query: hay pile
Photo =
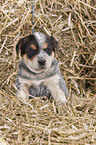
73 24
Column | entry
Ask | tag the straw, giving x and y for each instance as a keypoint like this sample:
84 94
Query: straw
45 122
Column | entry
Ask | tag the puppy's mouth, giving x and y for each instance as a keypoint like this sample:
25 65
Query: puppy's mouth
42 67
41 70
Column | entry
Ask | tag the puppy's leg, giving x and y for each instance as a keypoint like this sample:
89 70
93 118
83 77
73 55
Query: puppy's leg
22 94
54 86
57 93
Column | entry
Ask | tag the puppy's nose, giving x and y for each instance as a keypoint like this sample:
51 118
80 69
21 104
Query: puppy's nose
41 62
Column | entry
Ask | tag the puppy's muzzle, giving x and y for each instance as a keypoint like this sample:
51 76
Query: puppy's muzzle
41 62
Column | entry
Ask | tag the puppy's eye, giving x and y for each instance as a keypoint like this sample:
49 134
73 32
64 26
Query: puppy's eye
31 52
48 51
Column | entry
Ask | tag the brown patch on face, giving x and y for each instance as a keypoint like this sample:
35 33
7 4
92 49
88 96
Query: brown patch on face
45 45
52 54
33 46
25 58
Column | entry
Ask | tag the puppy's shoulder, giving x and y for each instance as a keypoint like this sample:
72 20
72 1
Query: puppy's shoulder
55 66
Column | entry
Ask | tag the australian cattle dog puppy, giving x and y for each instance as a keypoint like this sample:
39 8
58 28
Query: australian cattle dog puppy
38 71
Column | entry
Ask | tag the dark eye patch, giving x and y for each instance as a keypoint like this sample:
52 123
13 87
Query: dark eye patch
48 50
31 52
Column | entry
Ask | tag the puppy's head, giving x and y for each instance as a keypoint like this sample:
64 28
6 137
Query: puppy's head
37 51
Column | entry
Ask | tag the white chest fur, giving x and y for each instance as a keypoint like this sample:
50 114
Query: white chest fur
28 82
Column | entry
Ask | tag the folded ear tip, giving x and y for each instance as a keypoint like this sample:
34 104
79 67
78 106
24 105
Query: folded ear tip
17 49
19 46
54 42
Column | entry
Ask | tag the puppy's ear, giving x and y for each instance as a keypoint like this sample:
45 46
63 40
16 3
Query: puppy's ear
54 43
19 45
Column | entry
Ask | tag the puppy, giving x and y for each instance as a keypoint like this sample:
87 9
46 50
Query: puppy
38 71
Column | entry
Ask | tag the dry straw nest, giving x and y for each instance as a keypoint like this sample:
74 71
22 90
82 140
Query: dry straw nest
73 24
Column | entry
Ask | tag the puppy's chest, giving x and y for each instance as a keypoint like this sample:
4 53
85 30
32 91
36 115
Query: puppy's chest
40 87
38 82
34 82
